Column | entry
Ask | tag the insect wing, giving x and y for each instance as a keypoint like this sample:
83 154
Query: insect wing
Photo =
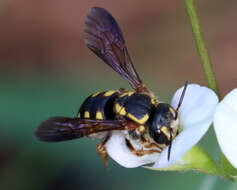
104 37
63 128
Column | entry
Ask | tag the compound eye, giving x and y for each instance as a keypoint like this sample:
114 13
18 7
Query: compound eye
160 137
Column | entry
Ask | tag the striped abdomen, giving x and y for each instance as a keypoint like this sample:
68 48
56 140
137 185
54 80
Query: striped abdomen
110 105
99 106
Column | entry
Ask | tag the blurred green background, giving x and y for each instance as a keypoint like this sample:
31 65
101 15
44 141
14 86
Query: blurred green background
46 70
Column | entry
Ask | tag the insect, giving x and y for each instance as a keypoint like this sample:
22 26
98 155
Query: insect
139 114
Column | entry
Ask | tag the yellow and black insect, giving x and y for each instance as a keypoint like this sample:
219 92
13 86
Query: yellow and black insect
138 113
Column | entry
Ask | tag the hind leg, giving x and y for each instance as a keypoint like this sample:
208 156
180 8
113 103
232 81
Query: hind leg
101 150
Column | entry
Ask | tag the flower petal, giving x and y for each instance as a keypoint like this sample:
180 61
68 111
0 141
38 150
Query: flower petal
118 150
195 115
198 104
225 125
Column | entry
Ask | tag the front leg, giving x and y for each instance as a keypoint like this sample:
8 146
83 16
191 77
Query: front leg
148 144
140 152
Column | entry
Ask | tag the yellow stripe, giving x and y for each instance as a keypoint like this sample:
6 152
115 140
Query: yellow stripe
86 114
140 121
129 93
123 94
95 94
120 110
153 101
79 115
99 115
172 111
109 93
165 131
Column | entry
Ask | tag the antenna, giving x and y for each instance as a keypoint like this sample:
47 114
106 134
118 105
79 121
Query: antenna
170 144
181 99
176 116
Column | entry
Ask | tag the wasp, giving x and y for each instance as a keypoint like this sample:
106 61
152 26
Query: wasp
139 113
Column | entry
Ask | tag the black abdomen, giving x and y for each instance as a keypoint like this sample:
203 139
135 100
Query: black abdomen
99 106
110 105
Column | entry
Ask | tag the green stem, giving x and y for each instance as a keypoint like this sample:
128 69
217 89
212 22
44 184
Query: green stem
225 166
201 46
198 160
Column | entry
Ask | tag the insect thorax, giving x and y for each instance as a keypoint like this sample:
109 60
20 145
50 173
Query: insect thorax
134 106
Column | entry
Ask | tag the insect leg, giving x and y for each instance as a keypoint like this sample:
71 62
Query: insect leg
101 150
140 152
148 144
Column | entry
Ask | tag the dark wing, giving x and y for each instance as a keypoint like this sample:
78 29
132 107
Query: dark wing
104 37
64 128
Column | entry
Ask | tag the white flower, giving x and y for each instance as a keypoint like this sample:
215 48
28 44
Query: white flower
195 115
118 150
225 125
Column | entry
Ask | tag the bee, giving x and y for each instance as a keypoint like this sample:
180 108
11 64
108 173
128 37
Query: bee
139 113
